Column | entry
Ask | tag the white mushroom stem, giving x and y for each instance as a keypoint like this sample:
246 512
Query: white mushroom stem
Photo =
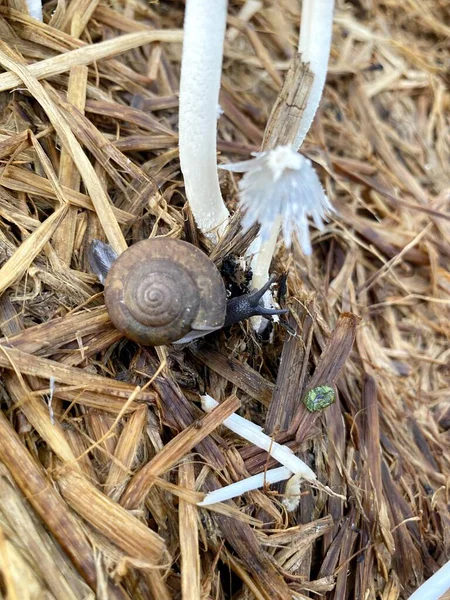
255 482
35 9
262 257
435 586
201 65
254 434
265 250
314 46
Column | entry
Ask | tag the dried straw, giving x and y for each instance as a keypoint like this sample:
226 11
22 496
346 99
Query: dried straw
105 451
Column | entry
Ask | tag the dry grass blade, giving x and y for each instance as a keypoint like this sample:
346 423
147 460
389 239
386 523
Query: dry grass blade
10 144
243 376
125 454
38 415
89 54
46 502
174 451
292 374
47 337
328 369
77 16
18 179
69 176
26 533
190 557
48 170
11 358
99 198
289 106
98 401
89 150
135 539
369 118
129 115
17 265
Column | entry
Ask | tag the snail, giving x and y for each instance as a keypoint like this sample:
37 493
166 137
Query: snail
162 291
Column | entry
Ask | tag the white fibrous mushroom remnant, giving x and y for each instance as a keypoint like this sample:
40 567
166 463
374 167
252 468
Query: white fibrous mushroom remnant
254 434
235 490
292 493
201 65
281 185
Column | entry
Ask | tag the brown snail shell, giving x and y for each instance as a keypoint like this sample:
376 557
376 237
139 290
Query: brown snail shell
160 289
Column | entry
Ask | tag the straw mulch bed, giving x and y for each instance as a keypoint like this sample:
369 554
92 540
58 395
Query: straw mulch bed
104 450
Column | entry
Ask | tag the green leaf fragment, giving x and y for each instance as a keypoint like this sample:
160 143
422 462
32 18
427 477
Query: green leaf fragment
319 397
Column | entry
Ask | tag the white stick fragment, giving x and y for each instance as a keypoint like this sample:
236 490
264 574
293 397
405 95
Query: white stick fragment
248 10
255 482
254 434
435 586
50 400
314 45
201 65
35 9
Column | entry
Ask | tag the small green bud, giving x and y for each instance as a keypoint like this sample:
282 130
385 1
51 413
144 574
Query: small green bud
319 397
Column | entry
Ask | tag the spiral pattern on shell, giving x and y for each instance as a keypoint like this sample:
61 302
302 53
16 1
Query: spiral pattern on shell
159 290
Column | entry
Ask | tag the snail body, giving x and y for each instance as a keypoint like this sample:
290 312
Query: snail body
163 290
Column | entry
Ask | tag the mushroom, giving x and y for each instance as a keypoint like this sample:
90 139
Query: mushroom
280 188
314 46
